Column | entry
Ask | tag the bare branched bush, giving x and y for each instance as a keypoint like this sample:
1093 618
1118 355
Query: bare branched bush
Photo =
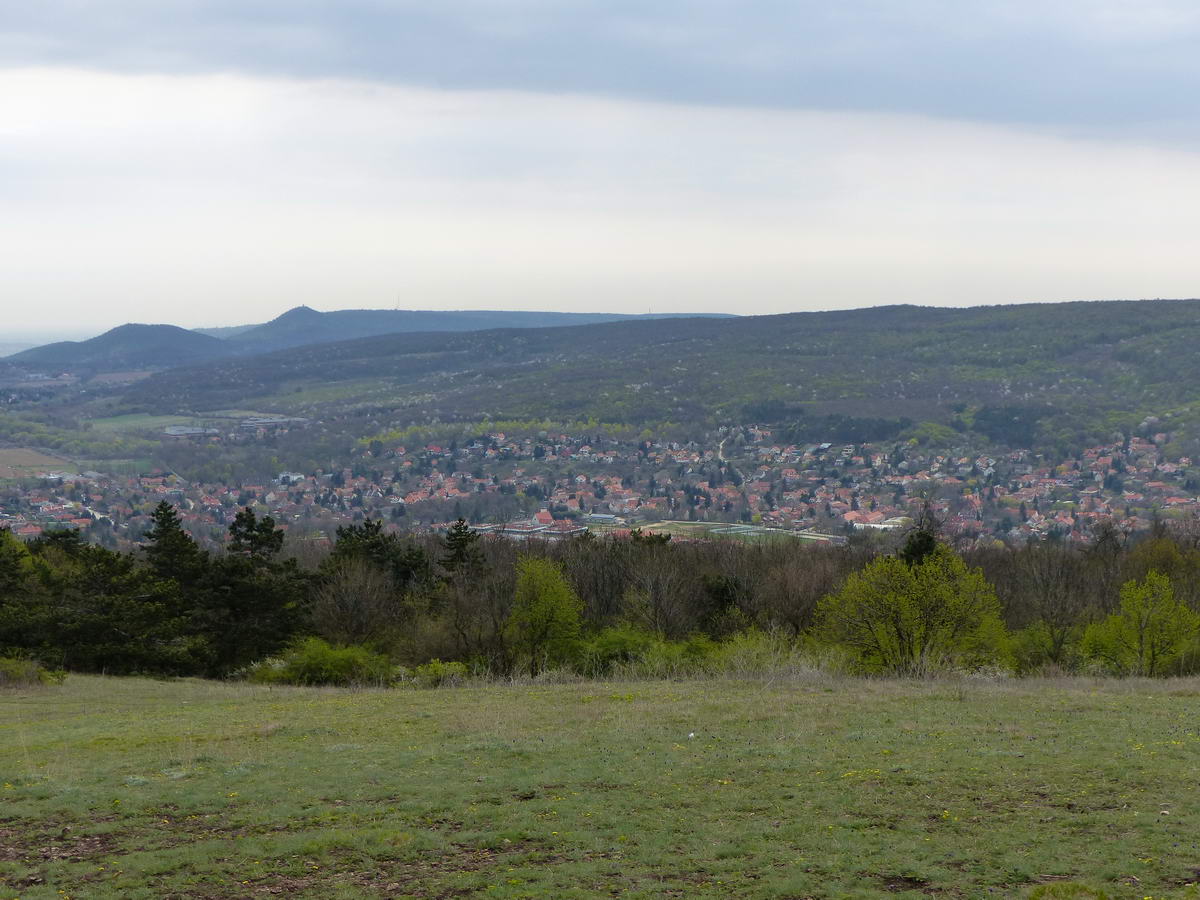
357 604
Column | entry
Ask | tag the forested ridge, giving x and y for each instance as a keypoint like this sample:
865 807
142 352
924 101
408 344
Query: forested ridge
1027 374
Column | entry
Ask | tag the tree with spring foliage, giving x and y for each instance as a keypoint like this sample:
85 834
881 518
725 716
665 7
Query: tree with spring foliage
915 619
1152 634
543 626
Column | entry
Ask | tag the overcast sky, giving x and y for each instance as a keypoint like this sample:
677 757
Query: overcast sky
210 163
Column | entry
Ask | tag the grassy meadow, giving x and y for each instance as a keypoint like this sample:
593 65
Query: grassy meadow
17 463
810 787
137 422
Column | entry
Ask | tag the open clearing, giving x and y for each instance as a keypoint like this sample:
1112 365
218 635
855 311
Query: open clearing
822 788
134 422
708 530
145 422
16 463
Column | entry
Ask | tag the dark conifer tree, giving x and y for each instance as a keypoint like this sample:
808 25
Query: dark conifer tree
171 551
923 539
462 551
255 537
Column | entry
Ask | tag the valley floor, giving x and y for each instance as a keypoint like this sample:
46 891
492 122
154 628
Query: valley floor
136 788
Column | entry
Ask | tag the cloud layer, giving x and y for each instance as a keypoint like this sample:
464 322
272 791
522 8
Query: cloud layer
219 198
1101 66
214 162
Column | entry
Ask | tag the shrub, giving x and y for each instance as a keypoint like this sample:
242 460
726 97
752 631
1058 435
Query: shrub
1152 634
618 645
916 619
756 653
627 652
543 626
312 661
1035 649
436 673
672 659
17 673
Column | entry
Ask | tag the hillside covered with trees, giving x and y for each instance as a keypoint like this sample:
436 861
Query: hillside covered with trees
303 325
1048 374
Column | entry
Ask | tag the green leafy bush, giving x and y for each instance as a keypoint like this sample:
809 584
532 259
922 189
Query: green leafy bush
687 656
916 619
755 653
626 651
543 626
1033 650
312 661
618 645
436 673
1152 634
17 673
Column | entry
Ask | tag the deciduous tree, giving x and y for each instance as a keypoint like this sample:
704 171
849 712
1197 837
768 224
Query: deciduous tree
1153 633
914 619
543 626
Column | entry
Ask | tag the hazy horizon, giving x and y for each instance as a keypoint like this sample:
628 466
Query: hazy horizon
37 338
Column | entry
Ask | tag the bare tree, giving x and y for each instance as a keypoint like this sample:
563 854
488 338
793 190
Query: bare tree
792 586
1056 585
357 604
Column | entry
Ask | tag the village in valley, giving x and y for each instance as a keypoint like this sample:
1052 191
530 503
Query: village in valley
554 484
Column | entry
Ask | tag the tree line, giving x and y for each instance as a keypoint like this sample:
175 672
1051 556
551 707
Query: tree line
378 603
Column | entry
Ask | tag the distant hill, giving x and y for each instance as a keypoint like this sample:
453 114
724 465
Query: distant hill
7 349
1022 374
134 347
226 331
127 347
303 325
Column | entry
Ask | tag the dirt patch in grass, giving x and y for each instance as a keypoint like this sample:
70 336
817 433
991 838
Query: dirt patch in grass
421 875
898 884
395 877
34 843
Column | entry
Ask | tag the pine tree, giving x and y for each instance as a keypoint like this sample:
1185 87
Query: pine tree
171 551
922 540
254 537
462 550
15 565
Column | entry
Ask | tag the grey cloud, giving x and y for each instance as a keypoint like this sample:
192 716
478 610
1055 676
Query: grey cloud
1085 66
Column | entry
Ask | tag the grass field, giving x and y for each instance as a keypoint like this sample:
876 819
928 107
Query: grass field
17 463
813 788
141 422
136 422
